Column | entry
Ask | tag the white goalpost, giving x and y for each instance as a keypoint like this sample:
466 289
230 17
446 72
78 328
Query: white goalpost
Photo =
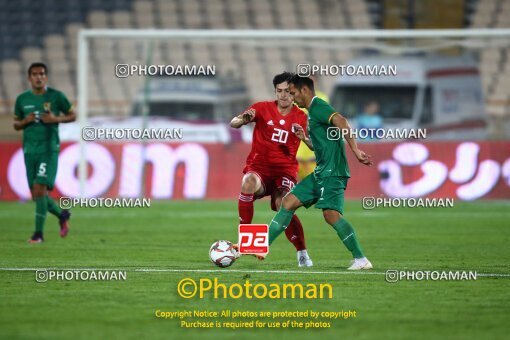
378 40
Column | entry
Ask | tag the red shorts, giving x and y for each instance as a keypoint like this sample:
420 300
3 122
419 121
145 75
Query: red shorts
273 184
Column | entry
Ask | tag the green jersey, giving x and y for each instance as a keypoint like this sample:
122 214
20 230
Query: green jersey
329 152
39 137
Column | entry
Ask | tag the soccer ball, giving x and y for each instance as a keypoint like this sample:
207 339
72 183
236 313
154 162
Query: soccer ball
222 253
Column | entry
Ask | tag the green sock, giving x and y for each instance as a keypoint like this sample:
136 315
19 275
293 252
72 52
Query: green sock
279 222
41 207
53 207
348 236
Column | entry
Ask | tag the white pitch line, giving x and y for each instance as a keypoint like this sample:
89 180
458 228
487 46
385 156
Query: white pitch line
248 271
255 271
376 213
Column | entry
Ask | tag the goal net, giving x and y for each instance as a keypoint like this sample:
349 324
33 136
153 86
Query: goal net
192 82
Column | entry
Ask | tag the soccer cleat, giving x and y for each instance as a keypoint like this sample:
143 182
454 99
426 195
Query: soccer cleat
260 257
65 215
360 264
37 237
236 248
304 260
236 253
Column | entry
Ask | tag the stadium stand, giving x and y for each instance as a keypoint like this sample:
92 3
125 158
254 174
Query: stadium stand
494 63
55 42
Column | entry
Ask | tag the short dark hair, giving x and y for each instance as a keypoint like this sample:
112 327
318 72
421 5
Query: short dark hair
299 82
38 64
280 78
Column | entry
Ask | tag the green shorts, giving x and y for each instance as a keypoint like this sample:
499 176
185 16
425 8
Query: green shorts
325 193
41 169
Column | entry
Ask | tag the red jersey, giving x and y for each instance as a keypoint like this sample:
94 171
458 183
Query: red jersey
275 145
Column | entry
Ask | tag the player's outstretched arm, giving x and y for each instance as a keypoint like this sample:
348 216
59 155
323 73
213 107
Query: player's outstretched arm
341 122
300 133
243 119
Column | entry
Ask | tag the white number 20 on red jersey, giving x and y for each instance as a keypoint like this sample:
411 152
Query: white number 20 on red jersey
280 136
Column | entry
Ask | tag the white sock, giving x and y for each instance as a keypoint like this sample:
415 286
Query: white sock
303 253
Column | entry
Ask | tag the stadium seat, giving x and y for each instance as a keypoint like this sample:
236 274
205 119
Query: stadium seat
169 19
176 52
215 14
112 90
54 46
94 93
98 19
121 19
224 55
56 42
241 15
167 14
145 20
485 14
102 49
287 17
144 14
31 54
194 20
201 53
11 67
263 14
140 6
12 81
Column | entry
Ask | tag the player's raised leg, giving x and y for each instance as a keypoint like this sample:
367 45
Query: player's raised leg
63 216
348 236
302 194
250 186
281 220
63 221
53 208
295 233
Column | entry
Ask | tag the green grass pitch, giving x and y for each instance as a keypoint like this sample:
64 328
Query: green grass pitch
177 235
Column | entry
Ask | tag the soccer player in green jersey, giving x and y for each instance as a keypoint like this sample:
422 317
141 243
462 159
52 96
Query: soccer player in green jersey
38 112
326 185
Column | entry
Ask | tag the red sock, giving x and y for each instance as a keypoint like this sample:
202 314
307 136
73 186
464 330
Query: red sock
245 207
295 234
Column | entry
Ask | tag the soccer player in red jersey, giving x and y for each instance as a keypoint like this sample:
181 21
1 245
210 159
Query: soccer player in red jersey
271 166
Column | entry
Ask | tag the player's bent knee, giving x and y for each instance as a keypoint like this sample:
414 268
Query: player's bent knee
278 203
291 202
250 184
331 216
278 198
38 190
